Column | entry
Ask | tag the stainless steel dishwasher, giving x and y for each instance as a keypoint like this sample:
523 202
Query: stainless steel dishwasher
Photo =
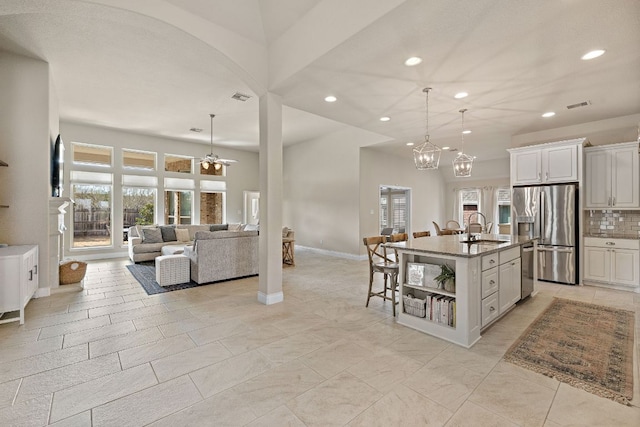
527 270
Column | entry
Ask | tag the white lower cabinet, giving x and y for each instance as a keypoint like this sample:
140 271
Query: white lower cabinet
501 283
612 261
18 279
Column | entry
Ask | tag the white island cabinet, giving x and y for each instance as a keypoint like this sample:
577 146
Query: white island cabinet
487 276
18 279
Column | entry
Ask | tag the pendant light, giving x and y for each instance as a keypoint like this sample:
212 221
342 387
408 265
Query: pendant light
427 155
463 163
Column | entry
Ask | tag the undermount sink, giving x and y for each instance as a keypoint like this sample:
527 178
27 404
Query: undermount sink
485 241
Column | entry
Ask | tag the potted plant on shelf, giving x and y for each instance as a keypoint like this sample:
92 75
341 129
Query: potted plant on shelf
447 278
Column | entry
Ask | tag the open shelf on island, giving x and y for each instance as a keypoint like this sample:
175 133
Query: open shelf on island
431 290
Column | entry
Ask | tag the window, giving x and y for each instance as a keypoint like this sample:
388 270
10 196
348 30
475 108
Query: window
175 163
211 208
134 159
94 155
469 203
138 207
504 205
177 207
91 215
394 208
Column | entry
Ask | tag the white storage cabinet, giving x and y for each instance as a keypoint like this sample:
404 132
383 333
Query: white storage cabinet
612 176
612 261
18 279
501 283
546 163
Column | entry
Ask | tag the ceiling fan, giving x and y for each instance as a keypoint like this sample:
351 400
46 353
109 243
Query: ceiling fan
214 159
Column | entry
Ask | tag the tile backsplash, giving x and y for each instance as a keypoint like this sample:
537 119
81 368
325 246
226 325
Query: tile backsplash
612 223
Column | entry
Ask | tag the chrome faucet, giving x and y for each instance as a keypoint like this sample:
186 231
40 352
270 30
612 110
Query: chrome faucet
469 236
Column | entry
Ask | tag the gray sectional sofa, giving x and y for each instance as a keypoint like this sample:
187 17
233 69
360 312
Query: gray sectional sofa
223 255
146 242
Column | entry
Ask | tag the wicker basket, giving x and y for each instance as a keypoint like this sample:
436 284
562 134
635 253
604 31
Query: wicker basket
414 306
72 272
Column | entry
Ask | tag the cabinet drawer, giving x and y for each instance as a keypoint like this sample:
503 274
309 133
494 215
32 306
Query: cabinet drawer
489 281
509 254
489 261
599 242
490 309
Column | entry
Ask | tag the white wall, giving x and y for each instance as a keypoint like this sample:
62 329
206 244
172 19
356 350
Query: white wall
25 141
240 176
320 197
600 132
427 191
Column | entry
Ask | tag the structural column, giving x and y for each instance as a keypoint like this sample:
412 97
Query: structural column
270 281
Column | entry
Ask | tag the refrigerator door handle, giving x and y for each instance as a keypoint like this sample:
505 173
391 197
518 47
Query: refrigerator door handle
554 249
542 217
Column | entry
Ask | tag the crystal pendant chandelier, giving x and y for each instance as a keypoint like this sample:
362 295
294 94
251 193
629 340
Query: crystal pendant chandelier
463 163
427 155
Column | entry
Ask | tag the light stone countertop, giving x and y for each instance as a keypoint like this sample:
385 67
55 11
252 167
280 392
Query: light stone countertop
613 236
453 245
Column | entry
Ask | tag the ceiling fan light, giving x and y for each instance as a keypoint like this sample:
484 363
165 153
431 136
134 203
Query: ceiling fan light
205 164
217 166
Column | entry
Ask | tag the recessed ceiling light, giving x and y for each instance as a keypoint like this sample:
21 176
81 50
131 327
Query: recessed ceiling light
549 114
460 95
331 98
385 119
414 60
593 54
466 132
410 144
445 148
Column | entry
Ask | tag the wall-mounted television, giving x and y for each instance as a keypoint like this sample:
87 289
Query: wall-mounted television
57 168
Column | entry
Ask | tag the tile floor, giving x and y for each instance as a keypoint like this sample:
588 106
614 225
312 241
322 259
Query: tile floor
112 355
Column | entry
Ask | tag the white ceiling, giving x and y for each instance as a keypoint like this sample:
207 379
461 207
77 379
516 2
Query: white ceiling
517 59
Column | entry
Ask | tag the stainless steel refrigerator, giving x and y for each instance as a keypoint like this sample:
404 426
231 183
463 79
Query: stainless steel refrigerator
550 213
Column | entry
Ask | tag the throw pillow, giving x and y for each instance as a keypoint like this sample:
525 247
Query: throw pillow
236 227
168 233
152 235
219 227
182 234
251 227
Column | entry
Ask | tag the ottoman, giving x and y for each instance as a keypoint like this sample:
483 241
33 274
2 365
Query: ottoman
172 249
172 270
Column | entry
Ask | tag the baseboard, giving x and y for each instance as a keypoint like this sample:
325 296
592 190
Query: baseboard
78 256
334 253
270 298
42 292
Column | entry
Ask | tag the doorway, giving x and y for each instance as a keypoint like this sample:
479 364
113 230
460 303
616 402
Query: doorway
395 209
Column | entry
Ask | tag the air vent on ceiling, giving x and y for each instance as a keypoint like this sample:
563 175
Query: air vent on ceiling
578 105
240 96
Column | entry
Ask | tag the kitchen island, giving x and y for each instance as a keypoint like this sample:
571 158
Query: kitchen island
487 283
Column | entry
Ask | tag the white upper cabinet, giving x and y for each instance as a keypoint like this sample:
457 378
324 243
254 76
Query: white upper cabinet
612 176
546 163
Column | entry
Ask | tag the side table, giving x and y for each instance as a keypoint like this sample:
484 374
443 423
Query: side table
288 254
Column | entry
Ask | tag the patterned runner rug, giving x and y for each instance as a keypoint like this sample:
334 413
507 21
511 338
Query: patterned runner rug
585 345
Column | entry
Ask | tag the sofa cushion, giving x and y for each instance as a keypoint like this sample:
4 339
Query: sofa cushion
194 228
219 227
182 235
152 235
145 248
236 227
252 227
168 233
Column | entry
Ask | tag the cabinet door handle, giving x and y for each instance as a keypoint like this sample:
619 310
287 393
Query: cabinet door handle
492 309
492 282
491 261
539 176
609 202
35 268
614 201
546 176
610 243
30 275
